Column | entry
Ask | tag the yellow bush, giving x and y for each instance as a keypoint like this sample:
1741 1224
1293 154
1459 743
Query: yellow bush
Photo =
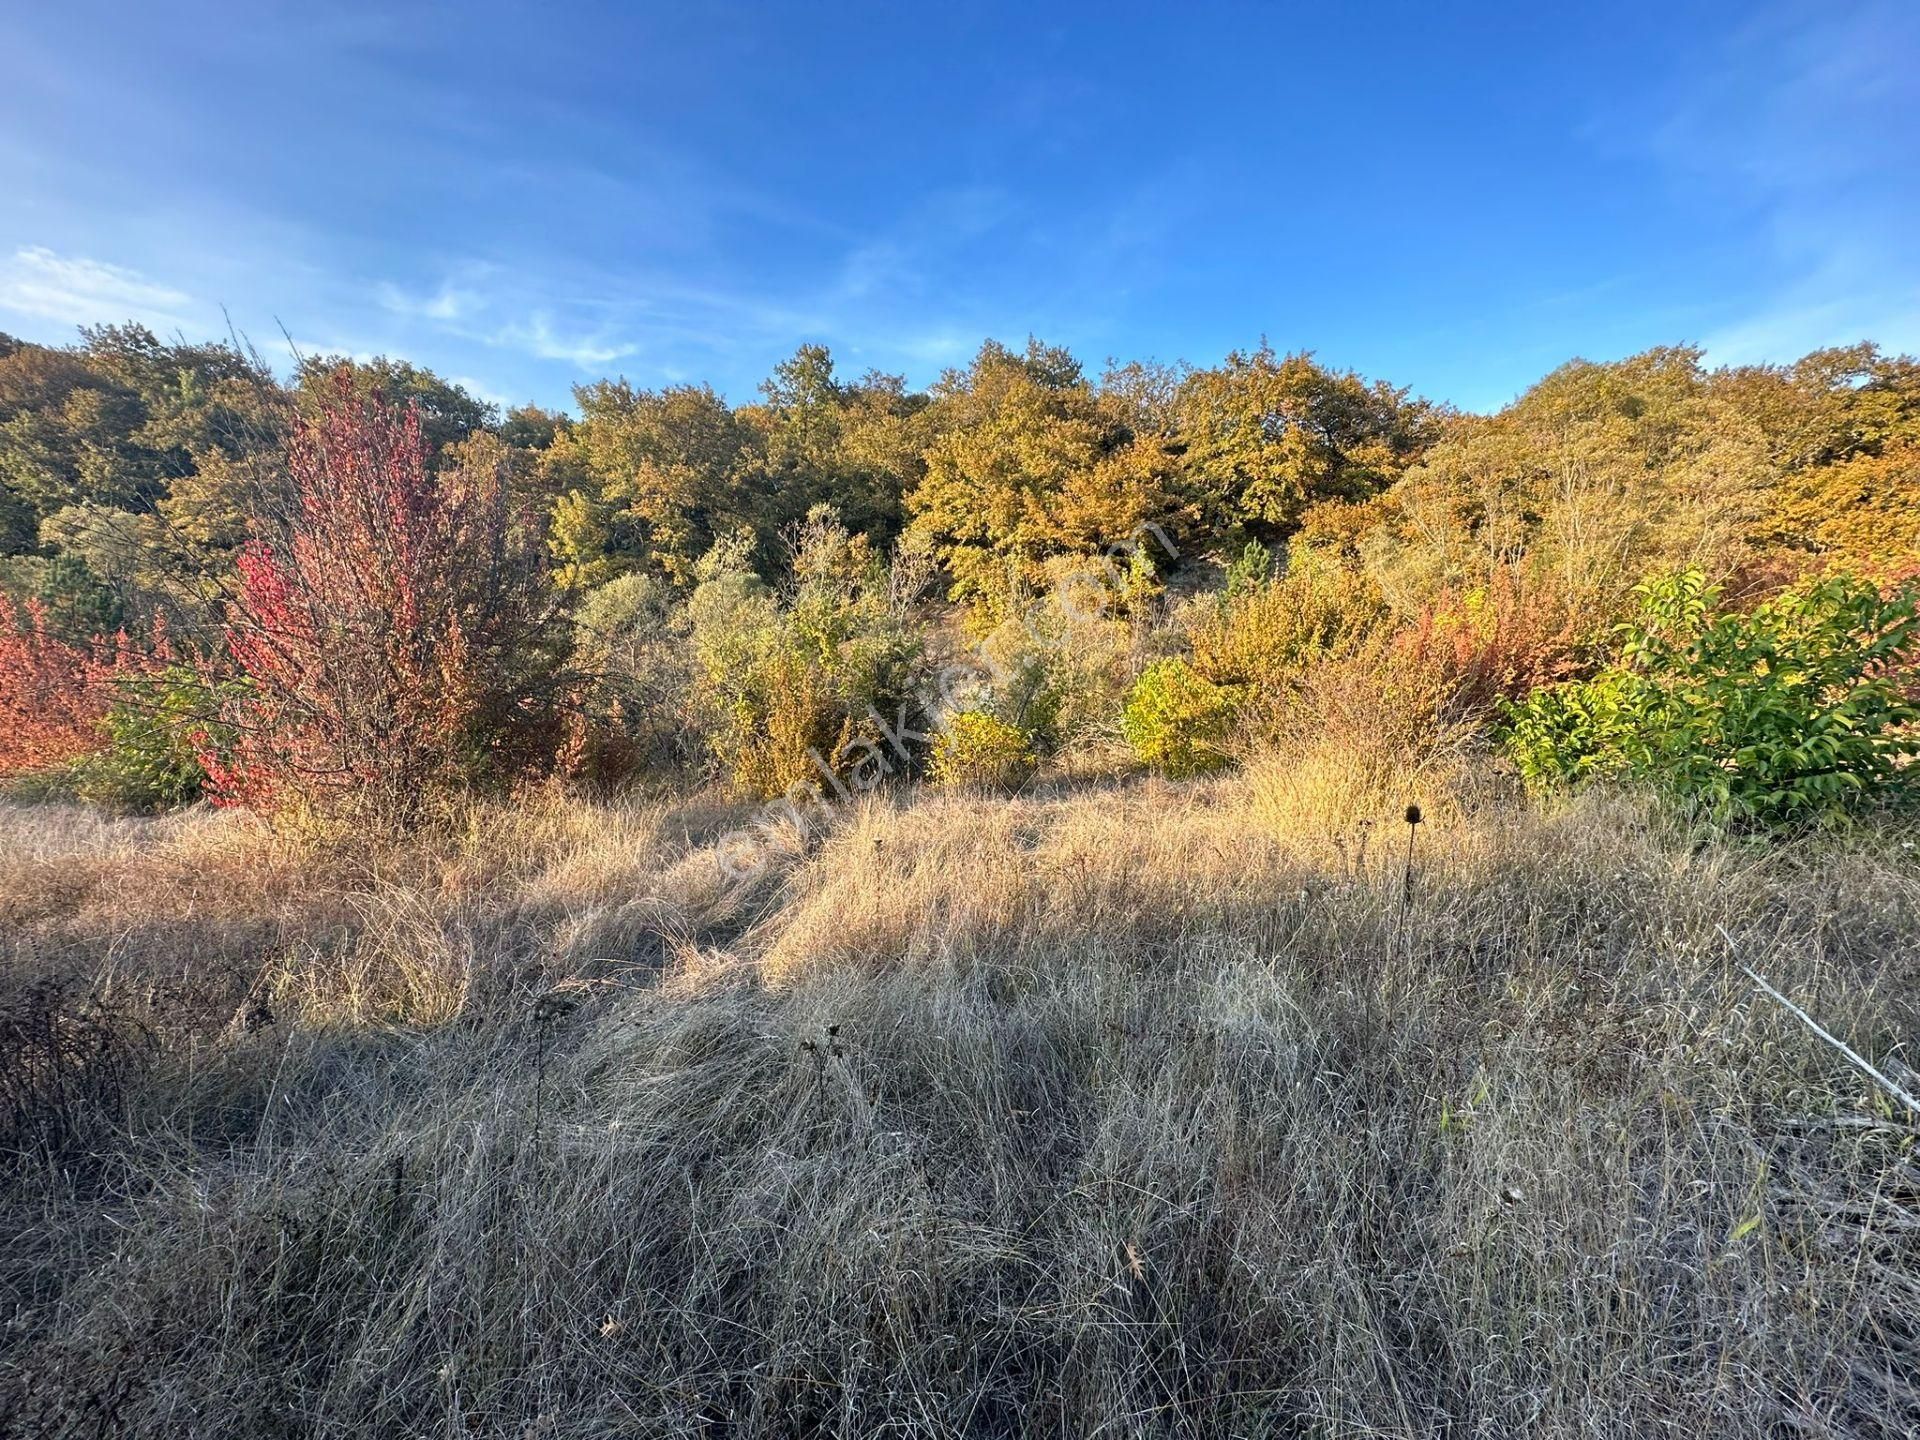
1178 721
1264 633
1366 733
981 751
786 738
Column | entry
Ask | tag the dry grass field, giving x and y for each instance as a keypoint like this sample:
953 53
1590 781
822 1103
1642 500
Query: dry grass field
960 723
1119 1110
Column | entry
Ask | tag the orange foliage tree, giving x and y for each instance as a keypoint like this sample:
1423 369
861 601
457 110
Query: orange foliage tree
55 691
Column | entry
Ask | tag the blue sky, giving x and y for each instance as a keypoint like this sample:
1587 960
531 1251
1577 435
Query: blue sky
1456 198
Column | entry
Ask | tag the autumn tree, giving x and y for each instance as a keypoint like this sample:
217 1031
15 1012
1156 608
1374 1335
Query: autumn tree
1860 515
69 434
1842 427
1597 474
393 625
1027 464
657 476
1828 406
231 431
55 688
1265 437
800 681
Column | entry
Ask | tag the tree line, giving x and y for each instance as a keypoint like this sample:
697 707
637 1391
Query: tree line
752 575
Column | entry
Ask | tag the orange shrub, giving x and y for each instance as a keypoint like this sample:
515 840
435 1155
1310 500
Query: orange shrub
1498 642
54 691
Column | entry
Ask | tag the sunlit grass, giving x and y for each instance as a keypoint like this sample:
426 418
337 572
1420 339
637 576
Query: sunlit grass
1139 1108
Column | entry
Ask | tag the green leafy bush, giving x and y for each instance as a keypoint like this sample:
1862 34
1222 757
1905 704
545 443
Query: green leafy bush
1251 567
814 681
978 750
1178 721
1061 667
1796 712
159 730
634 711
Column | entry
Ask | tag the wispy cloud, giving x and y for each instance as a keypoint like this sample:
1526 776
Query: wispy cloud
449 303
587 319
1813 315
82 291
1804 124
539 338
472 305
480 390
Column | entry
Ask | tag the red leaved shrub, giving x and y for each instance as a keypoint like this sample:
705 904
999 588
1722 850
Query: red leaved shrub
54 691
1494 643
393 627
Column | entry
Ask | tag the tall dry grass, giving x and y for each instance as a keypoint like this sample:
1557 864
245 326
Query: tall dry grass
1141 1109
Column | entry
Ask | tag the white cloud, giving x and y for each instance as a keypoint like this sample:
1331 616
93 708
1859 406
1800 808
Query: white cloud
469 306
538 337
480 390
448 303
941 347
81 291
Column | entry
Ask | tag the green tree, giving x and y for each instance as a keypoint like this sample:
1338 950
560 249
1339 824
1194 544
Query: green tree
160 447
448 413
797 684
661 475
1267 436
818 449
69 435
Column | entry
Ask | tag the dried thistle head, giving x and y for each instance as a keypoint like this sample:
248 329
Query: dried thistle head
1414 816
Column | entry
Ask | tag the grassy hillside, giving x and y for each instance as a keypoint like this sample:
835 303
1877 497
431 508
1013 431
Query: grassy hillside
1132 1109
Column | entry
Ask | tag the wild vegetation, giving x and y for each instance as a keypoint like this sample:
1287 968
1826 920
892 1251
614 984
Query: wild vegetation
1193 902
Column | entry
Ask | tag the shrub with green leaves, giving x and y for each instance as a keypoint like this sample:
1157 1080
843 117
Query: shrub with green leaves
158 730
1795 712
1061 668
634 710
978 750
809 681
1178 721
